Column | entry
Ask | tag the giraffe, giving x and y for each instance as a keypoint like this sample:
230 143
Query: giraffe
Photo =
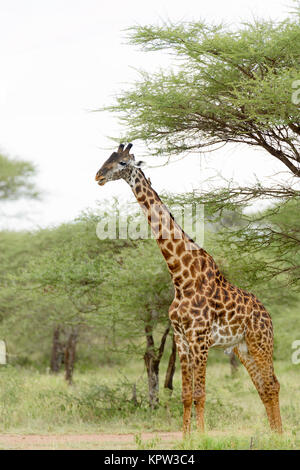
207 310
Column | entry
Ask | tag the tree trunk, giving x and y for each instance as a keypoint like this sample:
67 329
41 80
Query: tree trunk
152 366
171 367
233 363
134 396
152 360
70 354
56 352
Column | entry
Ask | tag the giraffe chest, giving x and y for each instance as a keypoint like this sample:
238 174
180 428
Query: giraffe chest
225 336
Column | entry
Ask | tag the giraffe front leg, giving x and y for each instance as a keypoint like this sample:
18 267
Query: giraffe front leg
187 379
200 354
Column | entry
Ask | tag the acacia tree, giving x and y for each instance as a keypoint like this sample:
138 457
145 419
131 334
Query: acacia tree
16 179
69 272
139 293
229 86
71 284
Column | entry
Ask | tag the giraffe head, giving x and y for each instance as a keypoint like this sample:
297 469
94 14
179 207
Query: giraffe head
117 165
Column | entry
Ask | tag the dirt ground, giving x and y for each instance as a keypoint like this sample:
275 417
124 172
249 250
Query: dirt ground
88 441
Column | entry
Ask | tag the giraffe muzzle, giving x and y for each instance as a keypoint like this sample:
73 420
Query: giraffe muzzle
100 179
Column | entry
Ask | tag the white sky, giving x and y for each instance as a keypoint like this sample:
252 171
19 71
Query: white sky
60 59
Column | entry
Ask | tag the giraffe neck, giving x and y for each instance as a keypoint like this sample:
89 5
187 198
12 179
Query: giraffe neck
173 242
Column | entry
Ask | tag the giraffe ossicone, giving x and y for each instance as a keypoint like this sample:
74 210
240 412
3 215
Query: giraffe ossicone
207 311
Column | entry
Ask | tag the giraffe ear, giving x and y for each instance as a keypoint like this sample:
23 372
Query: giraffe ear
139 164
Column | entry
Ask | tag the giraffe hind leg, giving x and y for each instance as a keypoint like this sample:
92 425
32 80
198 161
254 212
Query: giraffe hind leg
260 368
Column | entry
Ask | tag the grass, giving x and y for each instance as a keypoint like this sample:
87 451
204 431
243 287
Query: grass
32 402
257 441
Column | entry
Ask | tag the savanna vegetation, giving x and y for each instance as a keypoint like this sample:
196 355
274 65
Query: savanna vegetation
65 280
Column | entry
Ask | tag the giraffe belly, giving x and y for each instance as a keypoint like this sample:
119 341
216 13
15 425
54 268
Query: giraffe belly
224 338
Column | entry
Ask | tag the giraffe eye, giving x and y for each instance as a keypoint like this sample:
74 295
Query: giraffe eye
122 163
